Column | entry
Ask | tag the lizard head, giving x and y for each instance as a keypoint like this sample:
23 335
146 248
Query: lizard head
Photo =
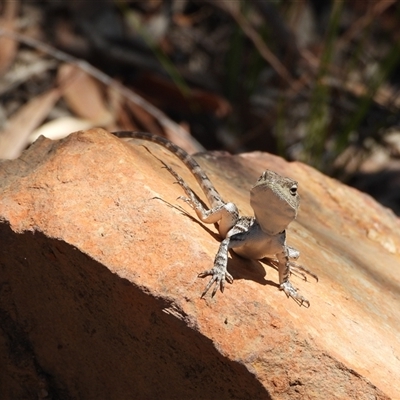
275 202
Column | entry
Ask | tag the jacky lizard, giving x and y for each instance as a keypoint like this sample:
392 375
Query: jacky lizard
275 202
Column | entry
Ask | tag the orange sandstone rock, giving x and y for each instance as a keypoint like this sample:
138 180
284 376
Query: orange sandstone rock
99 295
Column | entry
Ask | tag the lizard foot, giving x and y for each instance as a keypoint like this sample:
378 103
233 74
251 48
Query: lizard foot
290 291
299 270
218 277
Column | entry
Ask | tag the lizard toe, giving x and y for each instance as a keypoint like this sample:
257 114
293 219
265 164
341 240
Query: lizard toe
218 277
290 291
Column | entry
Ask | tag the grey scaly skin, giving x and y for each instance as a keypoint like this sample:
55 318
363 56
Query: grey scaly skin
275 202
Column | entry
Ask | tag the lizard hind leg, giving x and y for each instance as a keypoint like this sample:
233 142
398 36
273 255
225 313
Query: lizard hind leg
192 199
224 214
299 270
204 214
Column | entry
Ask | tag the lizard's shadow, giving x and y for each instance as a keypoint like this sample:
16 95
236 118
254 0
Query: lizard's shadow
254 270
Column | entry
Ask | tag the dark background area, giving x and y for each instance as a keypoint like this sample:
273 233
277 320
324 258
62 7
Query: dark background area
311 81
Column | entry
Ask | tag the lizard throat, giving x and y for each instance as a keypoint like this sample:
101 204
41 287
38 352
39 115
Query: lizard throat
272 213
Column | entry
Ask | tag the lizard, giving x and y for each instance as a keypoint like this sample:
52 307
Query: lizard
275 202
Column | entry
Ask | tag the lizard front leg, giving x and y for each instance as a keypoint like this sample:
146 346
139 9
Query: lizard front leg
235 237
297 269
219 272
284 273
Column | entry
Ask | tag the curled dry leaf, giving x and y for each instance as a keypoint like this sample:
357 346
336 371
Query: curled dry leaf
83 95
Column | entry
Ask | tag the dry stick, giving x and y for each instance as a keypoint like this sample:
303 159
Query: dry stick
107 80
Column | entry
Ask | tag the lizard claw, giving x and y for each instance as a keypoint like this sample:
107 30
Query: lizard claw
290 291
218 277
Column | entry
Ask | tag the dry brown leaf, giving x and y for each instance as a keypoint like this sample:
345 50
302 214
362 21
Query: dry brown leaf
8 47
83 95
14 137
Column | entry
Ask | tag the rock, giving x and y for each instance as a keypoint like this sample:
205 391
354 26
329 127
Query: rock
99 295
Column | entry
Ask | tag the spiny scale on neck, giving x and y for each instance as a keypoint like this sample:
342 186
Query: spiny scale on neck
208 188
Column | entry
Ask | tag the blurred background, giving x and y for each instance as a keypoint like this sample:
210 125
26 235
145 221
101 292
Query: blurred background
309 80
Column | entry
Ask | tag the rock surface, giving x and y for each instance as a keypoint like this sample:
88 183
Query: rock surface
99 295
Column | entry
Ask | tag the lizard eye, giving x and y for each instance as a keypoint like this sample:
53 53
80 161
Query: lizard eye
293 190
